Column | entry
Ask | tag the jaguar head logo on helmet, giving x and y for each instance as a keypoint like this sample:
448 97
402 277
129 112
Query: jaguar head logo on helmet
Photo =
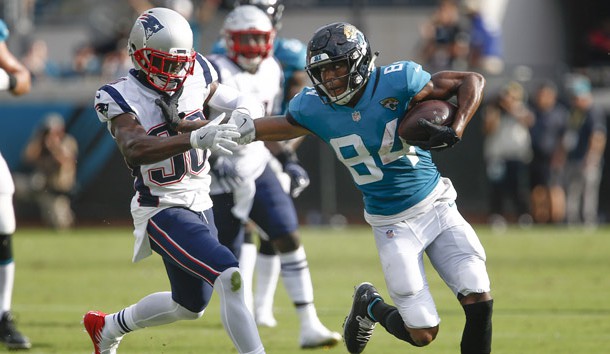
335 46
161 48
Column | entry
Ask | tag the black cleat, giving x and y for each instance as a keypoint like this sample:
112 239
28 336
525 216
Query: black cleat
358 326
10 336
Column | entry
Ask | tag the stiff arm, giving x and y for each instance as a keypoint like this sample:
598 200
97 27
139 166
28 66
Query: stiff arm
278 128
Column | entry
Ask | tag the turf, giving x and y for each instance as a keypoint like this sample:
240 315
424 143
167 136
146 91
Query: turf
551 289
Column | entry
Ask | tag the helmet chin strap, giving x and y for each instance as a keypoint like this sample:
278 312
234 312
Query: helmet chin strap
372 63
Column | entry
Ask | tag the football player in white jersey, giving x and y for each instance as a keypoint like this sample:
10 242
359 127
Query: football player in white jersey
290 53
167 153
16 79
356 108
250 67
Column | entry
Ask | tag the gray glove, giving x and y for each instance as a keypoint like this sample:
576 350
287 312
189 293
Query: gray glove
299 178
245 126
217 137
225 172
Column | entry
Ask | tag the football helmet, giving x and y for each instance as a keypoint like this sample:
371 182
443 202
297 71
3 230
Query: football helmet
273 8
337 42
161 47
249 36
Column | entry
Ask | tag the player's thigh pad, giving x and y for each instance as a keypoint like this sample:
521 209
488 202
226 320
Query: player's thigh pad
7 188
273 210
401 254
189 240
457 253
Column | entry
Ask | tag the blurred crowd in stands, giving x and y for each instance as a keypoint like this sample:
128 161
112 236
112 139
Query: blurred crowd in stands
545 137
103 55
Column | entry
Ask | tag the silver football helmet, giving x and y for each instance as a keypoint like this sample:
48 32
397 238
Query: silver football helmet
249 36
161 47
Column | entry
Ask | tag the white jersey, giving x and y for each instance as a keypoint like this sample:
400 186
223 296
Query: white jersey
182 180
266 86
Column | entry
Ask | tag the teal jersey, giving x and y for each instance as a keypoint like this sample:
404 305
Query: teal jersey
292 55
3 31
392 175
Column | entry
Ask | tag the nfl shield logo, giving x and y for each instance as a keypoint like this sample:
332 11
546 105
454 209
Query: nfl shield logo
389 233
356 116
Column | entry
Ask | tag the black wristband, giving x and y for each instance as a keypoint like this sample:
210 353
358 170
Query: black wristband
12 81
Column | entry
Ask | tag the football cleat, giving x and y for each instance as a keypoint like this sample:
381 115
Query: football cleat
319 337
94 323
358 326
10 336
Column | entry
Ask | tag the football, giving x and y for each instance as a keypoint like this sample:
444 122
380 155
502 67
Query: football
435 111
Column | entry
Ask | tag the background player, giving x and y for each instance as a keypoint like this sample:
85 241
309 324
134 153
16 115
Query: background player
249 67
15 78
291 54
172 208
356 109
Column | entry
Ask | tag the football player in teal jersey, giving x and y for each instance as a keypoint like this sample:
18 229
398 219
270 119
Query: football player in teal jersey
356 108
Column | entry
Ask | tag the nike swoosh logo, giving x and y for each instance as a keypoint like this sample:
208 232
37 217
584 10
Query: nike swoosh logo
441 146
242 124
98 95
204 135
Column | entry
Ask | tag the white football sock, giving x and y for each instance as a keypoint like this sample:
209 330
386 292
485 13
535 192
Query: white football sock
7 279
308 317
296 276
238 322
247 261
153 310
267 274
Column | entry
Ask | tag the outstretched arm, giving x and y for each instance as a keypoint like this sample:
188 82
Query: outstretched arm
276 128
139 148
466 86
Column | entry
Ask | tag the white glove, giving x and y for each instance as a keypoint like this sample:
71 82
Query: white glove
216 137
245 126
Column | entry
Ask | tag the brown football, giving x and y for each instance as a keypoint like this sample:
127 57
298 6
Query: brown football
435 111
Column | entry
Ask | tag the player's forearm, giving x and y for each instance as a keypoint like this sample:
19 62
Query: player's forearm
277 128
23 83
469 97
150 149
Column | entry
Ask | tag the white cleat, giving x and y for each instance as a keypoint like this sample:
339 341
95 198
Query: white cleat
266 320
319 337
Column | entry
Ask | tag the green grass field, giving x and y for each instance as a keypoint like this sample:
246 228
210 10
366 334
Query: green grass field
551 290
